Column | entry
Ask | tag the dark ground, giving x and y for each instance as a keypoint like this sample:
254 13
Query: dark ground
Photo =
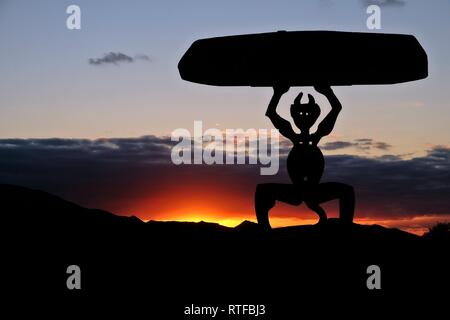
160 267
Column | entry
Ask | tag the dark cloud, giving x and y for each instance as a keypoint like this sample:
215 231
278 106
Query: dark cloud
143 57
382 145
361 144
117 172
335 145
116 58
393 186
384 3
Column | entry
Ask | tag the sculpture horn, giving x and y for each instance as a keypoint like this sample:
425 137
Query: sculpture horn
299 98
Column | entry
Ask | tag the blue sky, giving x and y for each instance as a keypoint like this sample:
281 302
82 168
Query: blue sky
48 88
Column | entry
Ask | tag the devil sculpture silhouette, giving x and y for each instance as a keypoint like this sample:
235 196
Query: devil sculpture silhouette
305 163
260 60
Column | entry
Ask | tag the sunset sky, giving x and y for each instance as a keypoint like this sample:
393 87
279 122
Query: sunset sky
98 133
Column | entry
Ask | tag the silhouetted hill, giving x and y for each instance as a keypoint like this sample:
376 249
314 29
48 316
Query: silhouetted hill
188 262
43 211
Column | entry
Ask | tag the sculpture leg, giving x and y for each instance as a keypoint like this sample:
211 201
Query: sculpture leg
317 209
335 190
265 196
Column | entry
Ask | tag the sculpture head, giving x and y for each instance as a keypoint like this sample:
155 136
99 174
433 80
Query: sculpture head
305 114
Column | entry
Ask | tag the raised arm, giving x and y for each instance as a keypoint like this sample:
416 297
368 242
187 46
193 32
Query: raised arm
281 124
327 124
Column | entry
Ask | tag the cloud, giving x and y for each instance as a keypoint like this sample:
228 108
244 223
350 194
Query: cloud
360 144
385 3
392 186
118 173
143 57
381 145
336 145
116 58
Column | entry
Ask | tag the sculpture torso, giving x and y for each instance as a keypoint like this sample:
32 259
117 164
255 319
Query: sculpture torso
305 162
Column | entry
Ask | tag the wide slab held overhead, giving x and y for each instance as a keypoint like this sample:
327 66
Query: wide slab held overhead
305 58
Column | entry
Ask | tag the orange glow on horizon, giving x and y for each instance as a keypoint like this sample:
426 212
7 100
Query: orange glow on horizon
415 225
276 222
229 204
